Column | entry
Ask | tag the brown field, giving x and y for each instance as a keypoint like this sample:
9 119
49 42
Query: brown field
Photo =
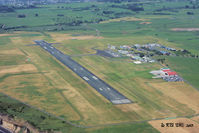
48 99
18 69
157 124
5 35
185 29
11 52
124 19
18 40
145 22
181 92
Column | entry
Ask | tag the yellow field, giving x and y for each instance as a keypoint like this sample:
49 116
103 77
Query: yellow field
124 19
17 68
11 51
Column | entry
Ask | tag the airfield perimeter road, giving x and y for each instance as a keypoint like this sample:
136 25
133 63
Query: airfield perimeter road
3 130
103 88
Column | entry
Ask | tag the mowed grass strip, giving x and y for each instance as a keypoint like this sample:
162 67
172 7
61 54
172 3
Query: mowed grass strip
187 68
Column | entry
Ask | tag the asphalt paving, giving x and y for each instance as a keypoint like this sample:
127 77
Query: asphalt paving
102 87
3 130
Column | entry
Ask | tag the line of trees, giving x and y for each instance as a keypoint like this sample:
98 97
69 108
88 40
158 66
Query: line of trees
133 7
5 9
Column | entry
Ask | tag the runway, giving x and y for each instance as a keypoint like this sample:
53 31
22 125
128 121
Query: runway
103 88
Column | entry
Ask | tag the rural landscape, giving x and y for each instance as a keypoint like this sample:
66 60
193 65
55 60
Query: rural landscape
99 66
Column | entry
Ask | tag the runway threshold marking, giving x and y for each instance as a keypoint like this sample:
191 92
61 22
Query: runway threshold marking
95 78
86 78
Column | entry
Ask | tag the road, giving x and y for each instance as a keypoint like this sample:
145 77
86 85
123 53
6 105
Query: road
3 130
103 88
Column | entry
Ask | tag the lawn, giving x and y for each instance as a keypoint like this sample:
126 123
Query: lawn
187 68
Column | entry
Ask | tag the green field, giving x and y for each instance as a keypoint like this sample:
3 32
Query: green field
187 67
40 80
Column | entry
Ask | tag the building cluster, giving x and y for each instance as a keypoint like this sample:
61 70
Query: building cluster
128 51
158 48
30 2
140 53
167 75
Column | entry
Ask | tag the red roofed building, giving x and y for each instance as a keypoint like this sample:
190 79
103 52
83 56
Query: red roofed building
171 73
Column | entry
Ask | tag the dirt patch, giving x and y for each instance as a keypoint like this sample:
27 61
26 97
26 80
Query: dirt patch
11 52
145 22
124 19
86 37
181 92
18 69
4 35
157 124
185 29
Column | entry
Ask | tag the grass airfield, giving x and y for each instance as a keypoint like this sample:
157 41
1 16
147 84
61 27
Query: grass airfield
31 75
40 80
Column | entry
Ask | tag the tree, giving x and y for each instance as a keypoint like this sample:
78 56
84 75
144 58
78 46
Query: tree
21 16
162 60
135 7
190 13
187 6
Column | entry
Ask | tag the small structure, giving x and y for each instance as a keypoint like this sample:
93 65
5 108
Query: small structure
147 59
137 45
111 47
167 75
134 57
123 52
164 52
170 49
137 62
158 73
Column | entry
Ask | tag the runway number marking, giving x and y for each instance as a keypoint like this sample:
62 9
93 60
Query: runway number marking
95 78
86 78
